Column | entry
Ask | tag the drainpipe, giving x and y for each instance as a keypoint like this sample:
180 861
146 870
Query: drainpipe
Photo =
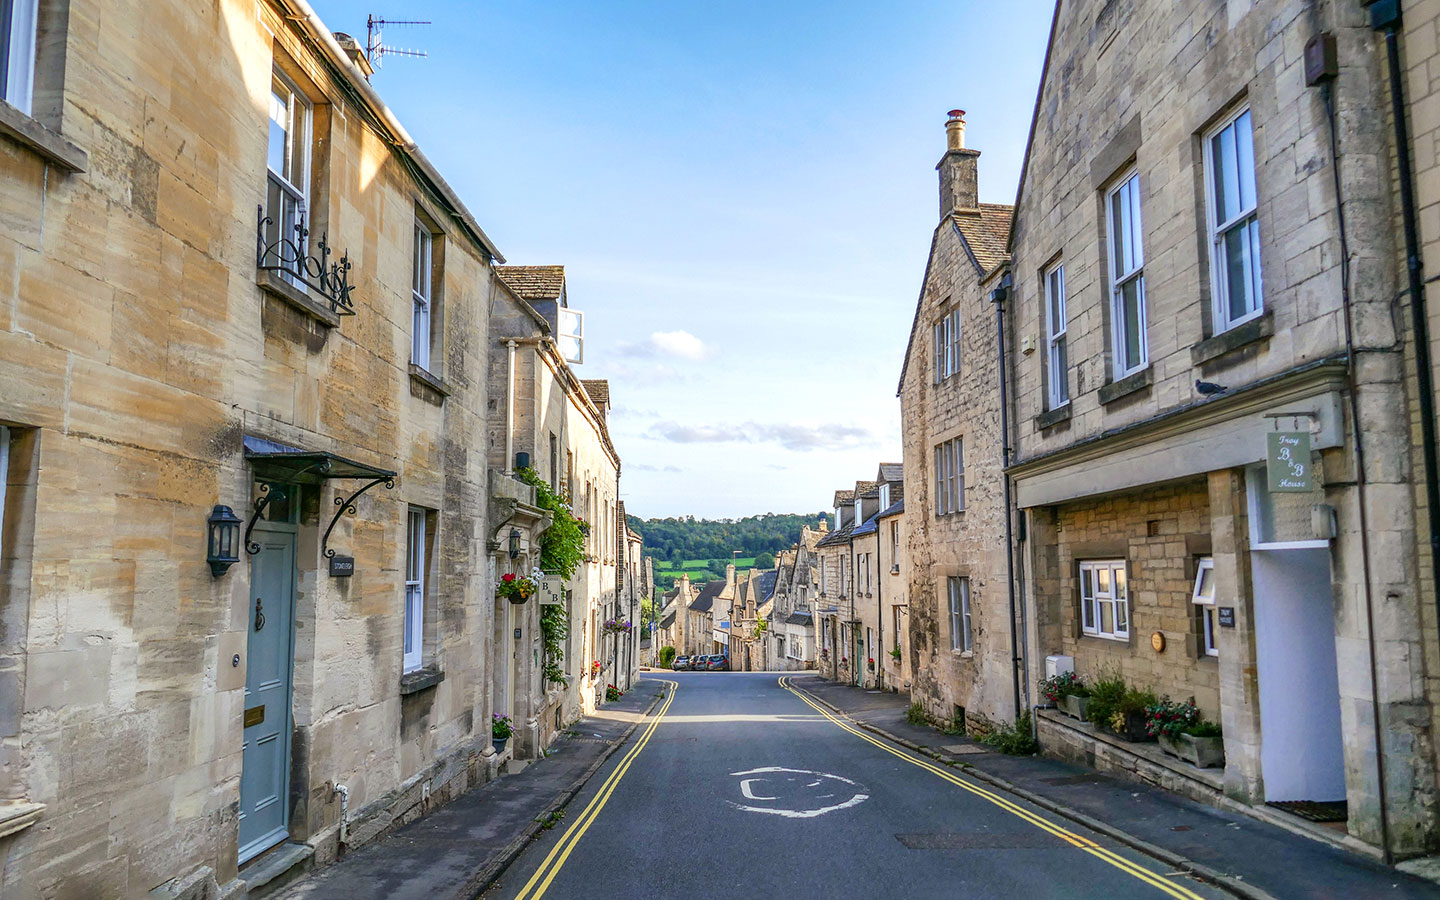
344 793
998 296
879 609
510 408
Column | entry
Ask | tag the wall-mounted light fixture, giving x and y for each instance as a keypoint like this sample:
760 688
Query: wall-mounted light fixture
223 550
514 543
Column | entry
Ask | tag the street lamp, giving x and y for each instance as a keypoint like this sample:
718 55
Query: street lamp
223 549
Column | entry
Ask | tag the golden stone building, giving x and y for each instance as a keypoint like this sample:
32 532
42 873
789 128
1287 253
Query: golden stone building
245 562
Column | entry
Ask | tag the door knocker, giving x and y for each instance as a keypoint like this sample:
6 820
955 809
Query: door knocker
259 614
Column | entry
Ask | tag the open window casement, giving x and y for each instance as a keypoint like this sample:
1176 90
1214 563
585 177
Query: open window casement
570 336
1203 596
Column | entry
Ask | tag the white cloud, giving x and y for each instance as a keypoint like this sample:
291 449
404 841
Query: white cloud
791 437
674 344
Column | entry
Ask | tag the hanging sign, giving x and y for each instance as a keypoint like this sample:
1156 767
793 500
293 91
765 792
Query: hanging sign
342 566
552 590
1287 462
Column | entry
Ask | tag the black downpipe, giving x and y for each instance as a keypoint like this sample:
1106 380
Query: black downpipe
1385 16
999 295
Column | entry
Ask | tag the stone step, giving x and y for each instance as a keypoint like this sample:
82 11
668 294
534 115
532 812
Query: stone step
276 870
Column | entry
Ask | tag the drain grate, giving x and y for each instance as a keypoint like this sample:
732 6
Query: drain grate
979 840
1313 810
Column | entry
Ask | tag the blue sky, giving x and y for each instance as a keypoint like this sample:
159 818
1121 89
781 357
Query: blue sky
742 195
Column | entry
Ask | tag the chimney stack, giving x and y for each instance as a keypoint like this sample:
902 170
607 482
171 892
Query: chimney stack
959 170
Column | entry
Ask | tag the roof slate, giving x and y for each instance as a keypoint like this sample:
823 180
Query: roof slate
598 389
534 282
798 618
892 472
893 509
868 527
843 497
708 593
987 234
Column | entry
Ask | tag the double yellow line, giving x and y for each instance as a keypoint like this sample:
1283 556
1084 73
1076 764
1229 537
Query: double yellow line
1180 892
540 881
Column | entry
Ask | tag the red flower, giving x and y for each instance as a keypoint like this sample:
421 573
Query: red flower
510 576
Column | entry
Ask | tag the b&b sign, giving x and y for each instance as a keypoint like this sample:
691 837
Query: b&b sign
1287 462
552 590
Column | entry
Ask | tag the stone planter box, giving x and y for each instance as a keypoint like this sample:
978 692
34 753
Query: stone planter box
1200 752
1074 706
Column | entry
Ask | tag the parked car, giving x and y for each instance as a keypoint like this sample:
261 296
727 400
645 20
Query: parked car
717 663
682 663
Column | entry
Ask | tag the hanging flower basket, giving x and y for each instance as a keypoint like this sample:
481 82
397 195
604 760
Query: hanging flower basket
616 626
515 588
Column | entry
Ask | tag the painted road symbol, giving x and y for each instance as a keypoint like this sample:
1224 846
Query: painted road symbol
796 793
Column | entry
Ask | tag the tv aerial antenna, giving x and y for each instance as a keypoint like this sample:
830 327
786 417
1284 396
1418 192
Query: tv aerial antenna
376 49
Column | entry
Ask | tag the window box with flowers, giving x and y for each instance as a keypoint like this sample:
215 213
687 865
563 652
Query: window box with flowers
1183 734
1068 692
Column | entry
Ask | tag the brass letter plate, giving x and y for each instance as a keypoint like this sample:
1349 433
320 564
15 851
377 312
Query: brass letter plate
254 715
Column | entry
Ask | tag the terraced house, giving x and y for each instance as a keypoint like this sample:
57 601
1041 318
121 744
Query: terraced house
247 538
1212 370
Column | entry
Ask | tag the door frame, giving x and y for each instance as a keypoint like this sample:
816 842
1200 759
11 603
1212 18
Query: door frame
245 853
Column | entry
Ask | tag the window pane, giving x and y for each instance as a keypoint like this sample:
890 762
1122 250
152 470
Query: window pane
1107 617
1062 371
1120 224
1122 617
276 153
1120 582
1252 230
1236 244
1102 581
1227 181
1245 160
1132 354
1137 248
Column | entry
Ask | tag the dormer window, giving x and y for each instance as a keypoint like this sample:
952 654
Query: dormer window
837 519
857 511
884 496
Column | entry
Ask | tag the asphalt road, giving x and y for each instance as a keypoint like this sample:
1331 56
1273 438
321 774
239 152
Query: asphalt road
739 787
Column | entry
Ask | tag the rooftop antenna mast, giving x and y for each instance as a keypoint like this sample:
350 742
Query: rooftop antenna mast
375 49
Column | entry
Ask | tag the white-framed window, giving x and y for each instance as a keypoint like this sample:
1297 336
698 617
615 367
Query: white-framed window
895 544
1234 228
895 626
1127 276
1203 596
961 638
287 163
1057 360
1104 599
414 589
950 477
17 52
420 291
947 345
885 496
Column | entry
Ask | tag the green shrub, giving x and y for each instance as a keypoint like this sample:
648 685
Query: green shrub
1014 740
1204 730
1105 696
915 715
1136 701
667 656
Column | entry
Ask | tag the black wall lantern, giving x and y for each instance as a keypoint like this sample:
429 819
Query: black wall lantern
514 543
224 544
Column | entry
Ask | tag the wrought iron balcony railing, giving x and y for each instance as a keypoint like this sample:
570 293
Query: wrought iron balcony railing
287 256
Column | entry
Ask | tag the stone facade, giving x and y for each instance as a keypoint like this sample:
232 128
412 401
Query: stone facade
954 482
155 364
1150 462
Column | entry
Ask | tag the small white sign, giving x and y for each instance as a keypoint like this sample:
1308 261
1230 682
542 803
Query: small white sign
552 590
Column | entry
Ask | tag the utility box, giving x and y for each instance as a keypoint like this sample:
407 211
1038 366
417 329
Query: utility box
1058 665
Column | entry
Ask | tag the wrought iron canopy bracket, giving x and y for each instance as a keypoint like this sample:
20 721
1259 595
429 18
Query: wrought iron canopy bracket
253 547
347 505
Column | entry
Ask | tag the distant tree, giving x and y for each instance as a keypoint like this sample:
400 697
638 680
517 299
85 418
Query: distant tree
765 560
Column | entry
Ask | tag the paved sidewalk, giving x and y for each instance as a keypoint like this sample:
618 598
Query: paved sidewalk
1250 858
455 852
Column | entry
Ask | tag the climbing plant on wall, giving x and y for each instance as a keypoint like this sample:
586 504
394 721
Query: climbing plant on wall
562 549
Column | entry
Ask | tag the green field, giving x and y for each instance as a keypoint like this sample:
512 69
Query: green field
691 565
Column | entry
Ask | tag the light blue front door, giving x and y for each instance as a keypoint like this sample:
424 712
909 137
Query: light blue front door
265 761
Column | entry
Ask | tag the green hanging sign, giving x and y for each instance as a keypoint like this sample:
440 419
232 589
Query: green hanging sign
1287 462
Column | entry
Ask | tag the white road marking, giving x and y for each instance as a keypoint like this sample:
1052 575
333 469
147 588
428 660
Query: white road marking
857 797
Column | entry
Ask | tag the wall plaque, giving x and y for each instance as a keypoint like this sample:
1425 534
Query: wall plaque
342 566
1287 462
1227 616
552 590
254 715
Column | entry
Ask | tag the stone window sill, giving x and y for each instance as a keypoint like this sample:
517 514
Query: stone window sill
274 284
424 377
420 679
1128 385
1052 417
29 133
17 815
1237 338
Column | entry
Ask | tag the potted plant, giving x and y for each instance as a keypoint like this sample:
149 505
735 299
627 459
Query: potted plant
500 731
613 693
515 588
1068 693
1105 696
1129 719
616 626
1184 735
870 663
895 653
